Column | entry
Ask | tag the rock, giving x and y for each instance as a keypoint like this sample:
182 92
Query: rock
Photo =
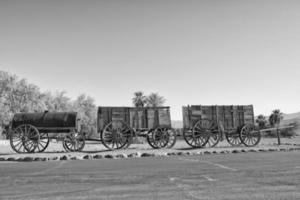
171 154
73 158
243 150
11 159
262 150
214 152
252 150
87 157
121 156
206 152
235 151
37 159
147 154
97 156
2 159
28 159
163 154
134 155
272 149
109 156
54 158
64 157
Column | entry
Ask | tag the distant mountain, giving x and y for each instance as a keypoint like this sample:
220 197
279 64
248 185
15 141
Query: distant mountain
291 116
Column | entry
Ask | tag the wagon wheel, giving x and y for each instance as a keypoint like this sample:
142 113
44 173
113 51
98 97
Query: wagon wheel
189 139
250 137
172 138
116 135
150 139
158 138
233 138
74 142
42 143
201 132
214 138
22 138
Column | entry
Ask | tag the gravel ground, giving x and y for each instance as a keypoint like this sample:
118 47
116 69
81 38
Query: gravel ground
92 150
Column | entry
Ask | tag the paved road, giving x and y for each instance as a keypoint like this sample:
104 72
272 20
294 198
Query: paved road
273 175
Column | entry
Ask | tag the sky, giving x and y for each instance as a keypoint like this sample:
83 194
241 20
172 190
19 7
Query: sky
206 52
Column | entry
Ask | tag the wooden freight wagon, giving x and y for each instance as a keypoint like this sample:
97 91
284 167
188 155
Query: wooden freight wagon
206 125
118 125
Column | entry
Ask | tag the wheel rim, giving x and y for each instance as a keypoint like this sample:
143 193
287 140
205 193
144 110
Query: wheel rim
201 132
213 139
189 139
161 137
249 136
116 135
24 138
74 142
172 138
233 138
150 139
43 143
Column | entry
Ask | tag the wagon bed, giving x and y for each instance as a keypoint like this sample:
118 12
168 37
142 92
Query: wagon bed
118 125
208 124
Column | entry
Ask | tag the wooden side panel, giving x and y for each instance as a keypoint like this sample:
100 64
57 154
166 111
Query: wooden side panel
111 114
103 118
230 116
138 118
164 117
152 118
185 117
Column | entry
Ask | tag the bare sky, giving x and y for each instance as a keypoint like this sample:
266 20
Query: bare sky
191 52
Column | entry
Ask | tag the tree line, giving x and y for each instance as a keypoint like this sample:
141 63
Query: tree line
18 95
274 119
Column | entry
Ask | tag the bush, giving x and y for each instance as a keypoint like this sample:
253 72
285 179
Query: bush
291 132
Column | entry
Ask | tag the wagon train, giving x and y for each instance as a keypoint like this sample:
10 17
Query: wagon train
118 126
31 132
207 125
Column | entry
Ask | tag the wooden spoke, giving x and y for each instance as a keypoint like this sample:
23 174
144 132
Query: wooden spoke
116 135
43 143
74 142
249 135
233 138
188 137
172 138
150 139
160 137
214 138
22 138
201 132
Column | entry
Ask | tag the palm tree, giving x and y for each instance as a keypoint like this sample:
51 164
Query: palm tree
139 99
276 117
261 121
154 100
